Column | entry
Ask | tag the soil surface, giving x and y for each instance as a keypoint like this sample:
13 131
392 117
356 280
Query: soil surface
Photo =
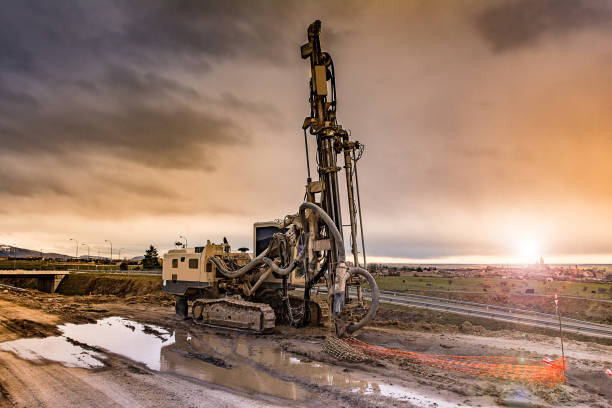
199 366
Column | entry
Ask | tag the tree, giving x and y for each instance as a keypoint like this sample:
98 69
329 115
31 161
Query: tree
151 258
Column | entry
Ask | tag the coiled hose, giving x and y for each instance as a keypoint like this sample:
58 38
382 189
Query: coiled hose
341 257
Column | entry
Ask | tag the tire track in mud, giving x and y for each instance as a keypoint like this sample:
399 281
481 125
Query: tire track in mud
28 328
5 397
351 399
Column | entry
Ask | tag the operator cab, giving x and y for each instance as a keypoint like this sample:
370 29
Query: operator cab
262 234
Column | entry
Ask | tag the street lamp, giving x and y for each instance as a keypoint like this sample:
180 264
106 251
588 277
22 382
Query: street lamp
77 248
111 245
185 238
87 250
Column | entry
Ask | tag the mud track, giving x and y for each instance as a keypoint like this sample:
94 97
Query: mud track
214 367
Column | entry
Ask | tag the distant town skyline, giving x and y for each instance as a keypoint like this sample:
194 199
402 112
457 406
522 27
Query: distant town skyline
486 124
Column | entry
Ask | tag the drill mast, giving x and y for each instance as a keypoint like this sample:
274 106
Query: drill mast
331 141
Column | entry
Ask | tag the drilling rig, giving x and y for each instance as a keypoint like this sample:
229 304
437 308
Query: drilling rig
296 254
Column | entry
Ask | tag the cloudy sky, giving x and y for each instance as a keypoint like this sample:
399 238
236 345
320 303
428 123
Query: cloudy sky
486 123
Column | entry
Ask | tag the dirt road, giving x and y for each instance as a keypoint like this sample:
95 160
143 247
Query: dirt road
120 383
104 351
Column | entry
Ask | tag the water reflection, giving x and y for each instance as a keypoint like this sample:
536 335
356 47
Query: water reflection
138 342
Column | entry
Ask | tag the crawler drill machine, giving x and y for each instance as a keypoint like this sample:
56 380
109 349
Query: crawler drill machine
295 255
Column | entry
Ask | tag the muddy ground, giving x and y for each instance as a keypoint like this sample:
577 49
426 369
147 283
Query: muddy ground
201 366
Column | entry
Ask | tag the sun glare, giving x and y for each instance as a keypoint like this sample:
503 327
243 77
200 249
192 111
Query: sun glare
528 250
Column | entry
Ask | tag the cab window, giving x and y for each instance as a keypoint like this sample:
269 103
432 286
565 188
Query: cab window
193 263
175 263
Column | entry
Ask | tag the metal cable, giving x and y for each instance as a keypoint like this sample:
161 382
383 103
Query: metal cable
307 158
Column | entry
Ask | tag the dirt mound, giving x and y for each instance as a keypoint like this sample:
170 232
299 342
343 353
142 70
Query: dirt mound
122 286
469 328
27 283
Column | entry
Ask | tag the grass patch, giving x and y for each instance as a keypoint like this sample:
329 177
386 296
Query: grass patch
495 285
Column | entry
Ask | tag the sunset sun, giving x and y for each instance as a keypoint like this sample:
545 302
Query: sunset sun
528 250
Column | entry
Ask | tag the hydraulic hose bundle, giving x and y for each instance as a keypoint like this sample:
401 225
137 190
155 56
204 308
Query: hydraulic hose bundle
342 273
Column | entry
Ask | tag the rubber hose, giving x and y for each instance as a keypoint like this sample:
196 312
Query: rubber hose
239 272
277 269
373 306
261 258
330 224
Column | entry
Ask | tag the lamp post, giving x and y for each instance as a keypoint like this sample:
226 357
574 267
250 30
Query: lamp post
77 248
185 238
111 245
87 250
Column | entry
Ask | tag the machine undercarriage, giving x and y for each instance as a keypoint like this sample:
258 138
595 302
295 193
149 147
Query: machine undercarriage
293 257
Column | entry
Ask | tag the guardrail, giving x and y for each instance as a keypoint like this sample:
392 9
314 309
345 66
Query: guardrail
504 308
498 316
575 325
118 272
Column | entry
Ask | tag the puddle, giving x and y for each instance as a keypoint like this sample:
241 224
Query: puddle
138 342
236 374
56 348
133 340
247 364
334 377
269 370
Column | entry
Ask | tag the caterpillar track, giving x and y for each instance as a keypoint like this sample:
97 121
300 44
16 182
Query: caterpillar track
251 316
323 315
234 313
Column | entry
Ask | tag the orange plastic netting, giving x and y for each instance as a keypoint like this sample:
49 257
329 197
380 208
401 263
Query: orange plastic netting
550 372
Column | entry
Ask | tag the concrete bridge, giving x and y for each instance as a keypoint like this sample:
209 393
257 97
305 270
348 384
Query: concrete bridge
47 281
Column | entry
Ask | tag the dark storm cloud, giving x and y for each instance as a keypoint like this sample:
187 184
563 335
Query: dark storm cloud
85 78
36 181
122 82
518 23
11 99
129 121
40 37
208 28
84 85
123 110
157 137
21 184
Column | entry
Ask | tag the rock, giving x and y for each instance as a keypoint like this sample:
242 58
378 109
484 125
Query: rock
518 398
466 327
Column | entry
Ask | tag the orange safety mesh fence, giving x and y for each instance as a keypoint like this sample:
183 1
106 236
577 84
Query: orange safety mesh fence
550 372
